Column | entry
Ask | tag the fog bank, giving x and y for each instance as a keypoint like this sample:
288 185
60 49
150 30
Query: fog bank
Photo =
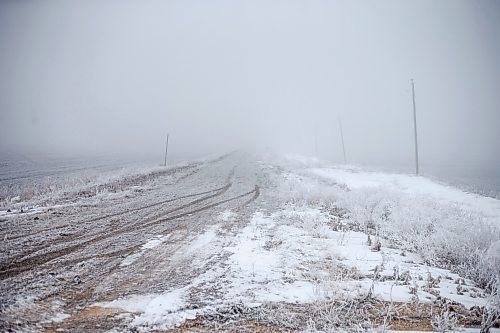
114 77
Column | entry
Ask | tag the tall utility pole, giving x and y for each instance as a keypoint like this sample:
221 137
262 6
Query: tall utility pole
166 152
342 138
415 125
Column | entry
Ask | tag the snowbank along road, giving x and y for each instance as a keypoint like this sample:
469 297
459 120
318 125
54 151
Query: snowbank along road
252 244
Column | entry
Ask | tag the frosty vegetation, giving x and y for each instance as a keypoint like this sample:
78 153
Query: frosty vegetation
87 183
446 236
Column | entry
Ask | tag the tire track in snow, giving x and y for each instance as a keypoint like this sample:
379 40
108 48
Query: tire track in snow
22 265
115 214
83 234
154 175
19 264
25 265
252 199
170 227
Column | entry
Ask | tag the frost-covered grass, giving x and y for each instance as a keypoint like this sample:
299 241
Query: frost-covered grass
444 235
445 226
80 184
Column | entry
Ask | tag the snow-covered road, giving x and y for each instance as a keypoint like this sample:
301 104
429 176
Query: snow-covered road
226 239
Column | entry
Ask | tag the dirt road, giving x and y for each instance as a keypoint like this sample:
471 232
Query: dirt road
72 256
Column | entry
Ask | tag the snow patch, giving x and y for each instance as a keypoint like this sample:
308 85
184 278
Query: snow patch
413 185
227 215
60 317
159 311
151 244
203 240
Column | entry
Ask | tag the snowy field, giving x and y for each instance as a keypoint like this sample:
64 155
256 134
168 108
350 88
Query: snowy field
245 243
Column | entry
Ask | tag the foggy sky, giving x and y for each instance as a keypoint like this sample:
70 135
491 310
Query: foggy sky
116 76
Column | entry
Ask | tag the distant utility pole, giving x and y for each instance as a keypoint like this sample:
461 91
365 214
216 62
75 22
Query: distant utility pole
316 142
342 138
166 152
415 125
